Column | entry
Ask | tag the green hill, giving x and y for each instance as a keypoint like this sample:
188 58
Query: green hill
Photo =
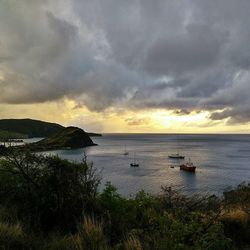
29 127
23 128
68 138
11 135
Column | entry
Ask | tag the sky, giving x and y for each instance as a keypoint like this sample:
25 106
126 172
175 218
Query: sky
156 66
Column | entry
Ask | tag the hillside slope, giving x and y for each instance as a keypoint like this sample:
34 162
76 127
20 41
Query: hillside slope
5 135
68 138
29 127
23 128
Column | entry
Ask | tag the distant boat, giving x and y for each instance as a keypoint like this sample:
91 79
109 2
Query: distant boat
125 152
188 166
176 156
134 163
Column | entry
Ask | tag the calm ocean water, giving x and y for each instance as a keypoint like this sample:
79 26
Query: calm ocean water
222 161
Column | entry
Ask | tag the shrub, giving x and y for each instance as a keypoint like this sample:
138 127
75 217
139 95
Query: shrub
48 192
12 236
132 243
90 235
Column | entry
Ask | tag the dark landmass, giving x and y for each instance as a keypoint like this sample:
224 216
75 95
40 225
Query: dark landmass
94 134
7 135
67 138
28 128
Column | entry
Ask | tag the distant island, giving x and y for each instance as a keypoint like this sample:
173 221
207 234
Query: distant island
67 138
56 136
29 128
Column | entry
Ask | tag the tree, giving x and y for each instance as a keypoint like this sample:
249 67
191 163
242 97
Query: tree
47 191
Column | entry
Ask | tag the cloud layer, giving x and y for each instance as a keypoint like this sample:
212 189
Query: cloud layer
186 55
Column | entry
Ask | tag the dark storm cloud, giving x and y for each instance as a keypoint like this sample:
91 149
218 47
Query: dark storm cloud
239 115
180 55
197 47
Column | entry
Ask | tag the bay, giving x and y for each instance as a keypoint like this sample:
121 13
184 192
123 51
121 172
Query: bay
223 161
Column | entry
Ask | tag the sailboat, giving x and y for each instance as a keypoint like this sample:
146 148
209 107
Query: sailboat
134 163
176 155
125 151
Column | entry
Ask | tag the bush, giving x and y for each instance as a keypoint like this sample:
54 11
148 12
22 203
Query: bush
48 192
12 236
132 243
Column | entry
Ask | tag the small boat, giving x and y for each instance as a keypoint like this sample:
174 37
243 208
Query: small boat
134 164
176 156
125 152
188 166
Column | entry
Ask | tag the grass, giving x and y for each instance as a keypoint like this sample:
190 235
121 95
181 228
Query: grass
12 236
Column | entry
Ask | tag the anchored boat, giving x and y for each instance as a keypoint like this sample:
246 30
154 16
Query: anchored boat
176 156
125 151
134 164
188 166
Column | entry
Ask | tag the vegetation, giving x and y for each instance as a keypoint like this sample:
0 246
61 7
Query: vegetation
30 128
51 203
24 128
94 134
70 137
6 135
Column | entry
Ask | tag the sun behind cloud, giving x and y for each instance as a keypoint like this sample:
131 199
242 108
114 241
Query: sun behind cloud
127 66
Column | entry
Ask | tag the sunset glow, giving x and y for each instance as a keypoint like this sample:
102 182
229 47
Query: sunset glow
127 66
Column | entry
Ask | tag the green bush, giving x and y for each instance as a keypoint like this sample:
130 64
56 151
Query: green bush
12 236
47 192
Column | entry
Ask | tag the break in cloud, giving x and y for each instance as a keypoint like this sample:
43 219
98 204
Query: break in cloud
186 55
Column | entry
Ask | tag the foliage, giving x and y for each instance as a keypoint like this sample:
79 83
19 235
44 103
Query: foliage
6 135
236 218
47 191
70 137
12 236
239 197
29 127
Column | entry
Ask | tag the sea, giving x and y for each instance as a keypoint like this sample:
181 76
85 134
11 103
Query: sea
222 161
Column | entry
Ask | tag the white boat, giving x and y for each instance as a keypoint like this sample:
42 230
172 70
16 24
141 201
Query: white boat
176 156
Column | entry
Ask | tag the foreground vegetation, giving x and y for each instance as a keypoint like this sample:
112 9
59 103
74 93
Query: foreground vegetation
50 203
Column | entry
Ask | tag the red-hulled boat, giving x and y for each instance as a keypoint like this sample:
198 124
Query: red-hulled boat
189 166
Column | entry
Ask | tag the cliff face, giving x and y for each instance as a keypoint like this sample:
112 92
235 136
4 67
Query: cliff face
70 137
